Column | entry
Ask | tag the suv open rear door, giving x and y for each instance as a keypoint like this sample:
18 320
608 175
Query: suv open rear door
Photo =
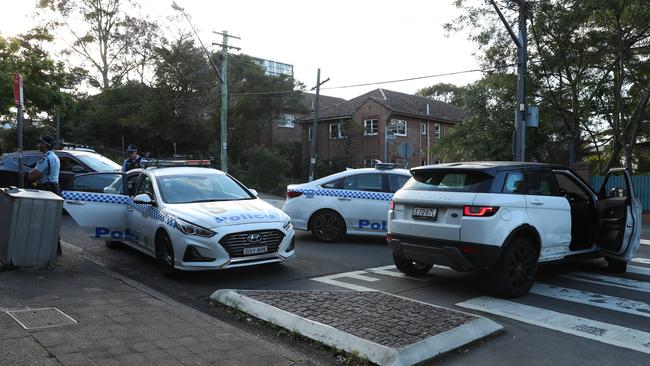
619 216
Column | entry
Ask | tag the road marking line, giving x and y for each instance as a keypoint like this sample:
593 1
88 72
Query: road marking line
625 283
330 280
593 299
641 260
638 270
386 271
360 275
645 241
599 331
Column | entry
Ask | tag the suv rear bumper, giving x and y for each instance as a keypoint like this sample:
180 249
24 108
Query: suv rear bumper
455 254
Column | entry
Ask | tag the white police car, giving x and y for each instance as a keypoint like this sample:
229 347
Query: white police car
505 217
187 218
354 201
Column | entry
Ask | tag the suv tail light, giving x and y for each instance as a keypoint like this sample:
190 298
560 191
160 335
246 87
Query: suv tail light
480 211
293 194
391 205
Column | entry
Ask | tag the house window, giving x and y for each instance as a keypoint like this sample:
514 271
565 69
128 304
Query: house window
423 128
285 120
370 127
399 127
336 131
437 131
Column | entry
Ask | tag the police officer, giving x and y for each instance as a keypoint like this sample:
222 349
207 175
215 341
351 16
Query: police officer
46 171
134 160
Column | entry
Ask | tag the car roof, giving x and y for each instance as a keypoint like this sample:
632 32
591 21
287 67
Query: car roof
58 152
182 170
489 167
348 172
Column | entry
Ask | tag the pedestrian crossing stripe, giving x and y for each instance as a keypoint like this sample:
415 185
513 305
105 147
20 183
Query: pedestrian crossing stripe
626 283
590 298
582 327
645 241
641 260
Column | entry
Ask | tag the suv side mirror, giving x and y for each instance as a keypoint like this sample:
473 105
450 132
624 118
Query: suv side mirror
143 199
254 192
78 169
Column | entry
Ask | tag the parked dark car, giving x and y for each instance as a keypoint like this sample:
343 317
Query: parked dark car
73 162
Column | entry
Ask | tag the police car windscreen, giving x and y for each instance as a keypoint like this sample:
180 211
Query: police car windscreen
200 188
99 163
449 180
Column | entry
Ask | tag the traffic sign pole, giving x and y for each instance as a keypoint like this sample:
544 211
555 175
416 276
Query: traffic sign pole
19 102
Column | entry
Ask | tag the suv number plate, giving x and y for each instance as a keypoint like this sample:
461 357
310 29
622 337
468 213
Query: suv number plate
425 213
256 250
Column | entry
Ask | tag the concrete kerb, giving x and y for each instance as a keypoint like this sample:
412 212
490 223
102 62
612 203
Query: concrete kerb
380 354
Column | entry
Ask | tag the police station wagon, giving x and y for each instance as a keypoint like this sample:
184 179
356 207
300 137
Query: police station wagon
354 201
506 217
186 218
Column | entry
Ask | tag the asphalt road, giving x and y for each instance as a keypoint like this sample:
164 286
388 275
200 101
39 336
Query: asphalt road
616 307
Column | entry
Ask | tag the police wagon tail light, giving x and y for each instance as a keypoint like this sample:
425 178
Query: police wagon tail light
293 194
191 229
480 211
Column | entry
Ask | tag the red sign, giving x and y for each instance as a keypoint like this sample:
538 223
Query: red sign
18 90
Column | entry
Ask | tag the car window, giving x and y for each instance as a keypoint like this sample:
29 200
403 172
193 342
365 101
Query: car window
98 183
396 181
568 185
449 180
200 188
145 186
67 163
131 181
364 182
99 163
514 183
540 183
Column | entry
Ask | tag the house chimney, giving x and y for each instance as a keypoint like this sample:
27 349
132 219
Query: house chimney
428 112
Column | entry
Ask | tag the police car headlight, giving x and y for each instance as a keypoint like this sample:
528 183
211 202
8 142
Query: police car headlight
191 229
287 225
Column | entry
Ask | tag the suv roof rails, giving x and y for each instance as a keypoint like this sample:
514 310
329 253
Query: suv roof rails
384 166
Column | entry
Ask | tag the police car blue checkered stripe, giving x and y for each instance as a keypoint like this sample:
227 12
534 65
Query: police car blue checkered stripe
381 196
151 211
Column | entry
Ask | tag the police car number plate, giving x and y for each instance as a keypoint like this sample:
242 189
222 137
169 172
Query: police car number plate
425 213
256 250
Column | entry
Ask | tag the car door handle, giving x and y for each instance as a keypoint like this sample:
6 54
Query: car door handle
79 203
537 202
344 199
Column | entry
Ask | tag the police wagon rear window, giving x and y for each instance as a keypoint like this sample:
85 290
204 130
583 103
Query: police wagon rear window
452 181
200 188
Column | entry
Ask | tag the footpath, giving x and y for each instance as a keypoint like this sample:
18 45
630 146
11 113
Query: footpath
80 313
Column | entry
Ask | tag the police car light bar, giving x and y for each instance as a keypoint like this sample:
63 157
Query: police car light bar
384 166
161 163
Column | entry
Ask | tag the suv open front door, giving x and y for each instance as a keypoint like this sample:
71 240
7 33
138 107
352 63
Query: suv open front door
98 202
619 216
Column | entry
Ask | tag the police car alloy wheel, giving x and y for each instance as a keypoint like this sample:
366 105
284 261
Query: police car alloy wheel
165 254
327 226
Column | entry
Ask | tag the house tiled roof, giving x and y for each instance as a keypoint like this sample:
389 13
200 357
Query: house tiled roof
324 101
400 103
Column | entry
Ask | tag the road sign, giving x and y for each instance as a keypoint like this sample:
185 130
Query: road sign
405 150
18 90
532 116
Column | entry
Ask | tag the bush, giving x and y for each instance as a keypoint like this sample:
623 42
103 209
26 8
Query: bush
266 169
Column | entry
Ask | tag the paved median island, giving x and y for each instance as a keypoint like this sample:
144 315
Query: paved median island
385 329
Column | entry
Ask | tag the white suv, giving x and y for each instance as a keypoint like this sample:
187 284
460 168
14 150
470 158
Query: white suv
506 217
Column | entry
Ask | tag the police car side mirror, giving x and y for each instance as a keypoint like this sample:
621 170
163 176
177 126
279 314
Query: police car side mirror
143 199
254 192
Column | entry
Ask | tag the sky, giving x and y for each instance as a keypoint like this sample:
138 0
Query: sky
352 42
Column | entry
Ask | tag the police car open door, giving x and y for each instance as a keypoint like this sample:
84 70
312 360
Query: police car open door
619 216
98 202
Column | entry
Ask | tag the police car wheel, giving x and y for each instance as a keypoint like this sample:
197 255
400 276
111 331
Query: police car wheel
114 244
409 267
327 226
514 273
165 254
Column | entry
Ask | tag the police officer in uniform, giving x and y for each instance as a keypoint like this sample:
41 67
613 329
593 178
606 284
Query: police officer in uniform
46 171
134 160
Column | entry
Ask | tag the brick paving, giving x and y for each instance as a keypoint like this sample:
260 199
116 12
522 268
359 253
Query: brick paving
118 324
382 318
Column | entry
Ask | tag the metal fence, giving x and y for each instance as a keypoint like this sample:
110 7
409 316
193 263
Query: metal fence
641 185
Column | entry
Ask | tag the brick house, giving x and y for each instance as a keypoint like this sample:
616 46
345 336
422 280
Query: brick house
283 130
353 132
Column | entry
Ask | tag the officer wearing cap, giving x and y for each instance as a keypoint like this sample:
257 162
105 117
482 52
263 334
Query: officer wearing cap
134 160
46 171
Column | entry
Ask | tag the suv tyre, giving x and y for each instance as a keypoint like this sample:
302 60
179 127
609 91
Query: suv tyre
616 266
514 273
409 267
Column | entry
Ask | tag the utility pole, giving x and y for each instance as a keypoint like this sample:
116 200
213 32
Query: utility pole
314 129
521 42
19 102
58 128
224 97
